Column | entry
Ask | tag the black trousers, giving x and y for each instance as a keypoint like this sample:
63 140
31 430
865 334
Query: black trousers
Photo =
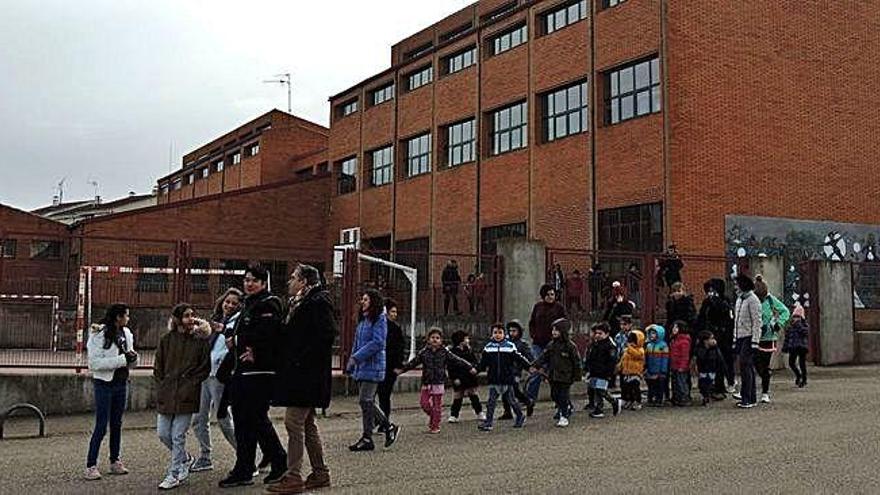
448 297
797 361
762 366
383 392
251 396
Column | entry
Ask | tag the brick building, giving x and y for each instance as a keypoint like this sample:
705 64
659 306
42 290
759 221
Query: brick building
33 253
273 147
609 124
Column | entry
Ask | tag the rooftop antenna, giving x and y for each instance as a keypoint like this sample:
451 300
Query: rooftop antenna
61 190
95 184
283 79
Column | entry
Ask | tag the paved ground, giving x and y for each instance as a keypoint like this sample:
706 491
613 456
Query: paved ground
823 439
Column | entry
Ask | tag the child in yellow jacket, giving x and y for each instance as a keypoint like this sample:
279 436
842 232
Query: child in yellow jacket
631 368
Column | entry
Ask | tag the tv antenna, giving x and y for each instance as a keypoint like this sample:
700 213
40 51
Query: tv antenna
94 183
61 190
283 79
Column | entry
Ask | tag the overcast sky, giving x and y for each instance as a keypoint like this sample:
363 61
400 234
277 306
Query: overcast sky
102 90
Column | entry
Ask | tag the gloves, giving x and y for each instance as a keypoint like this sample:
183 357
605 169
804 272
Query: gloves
130 357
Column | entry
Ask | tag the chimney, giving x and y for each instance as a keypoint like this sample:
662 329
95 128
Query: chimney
131 194
56 200
97 200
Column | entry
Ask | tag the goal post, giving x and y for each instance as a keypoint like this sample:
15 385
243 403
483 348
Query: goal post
412 275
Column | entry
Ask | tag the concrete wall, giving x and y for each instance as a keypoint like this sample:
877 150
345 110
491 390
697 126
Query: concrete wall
836 320
524 265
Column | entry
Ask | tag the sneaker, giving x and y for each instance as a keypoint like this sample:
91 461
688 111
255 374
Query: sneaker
235 479
597 414
731 389
562 423
454 419
202 464
636 407
264 464
391 435
92 473
484 427
737 396
184 471
316 481
803 383
615 407
520 421
434 431
743 405
765 398
589 406
117 468
362 445
169 483
481 416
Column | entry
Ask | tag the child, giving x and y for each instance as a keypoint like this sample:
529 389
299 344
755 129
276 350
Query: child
503 361
514 334
464 384
183 362
561 362
679 364
796 345
710 362
434 359
656 365
631 367
602 361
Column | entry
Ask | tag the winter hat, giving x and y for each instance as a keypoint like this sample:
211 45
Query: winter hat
798 311
458 337
563 325
514 323
617 289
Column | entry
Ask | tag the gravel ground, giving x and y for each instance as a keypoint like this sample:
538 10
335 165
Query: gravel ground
823 439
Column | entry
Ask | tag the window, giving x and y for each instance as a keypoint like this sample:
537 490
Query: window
510 128
200 282
461 143
8 248
349 107
253 149
636 228
418 155
414 253
177 184
510 39
304 173
346 182
205 171
500 12
564 16
456 33
418 51
152 282
163 189
565 112
382 166
236 158
607 4
218 166
461 60
45 250
420 78
490 235
227 281
632 91
383 94
190 178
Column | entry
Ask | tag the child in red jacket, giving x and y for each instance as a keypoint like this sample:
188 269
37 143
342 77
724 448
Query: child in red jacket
680 364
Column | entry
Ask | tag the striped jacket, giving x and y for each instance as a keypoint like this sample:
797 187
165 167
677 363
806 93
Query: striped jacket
503 361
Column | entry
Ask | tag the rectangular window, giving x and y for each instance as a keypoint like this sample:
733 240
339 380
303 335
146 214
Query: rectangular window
500 12
382 166
461 60
205 172
383 94
607 4
236 158
227 281
253 149
510 39
190 178
152 282
461 143
200 282
418 155
163 189
490 235
177 184
45 250
565 15
418 51
346 182
456 33
218 166
565 112
414 253
510 128
8 248
632 91
420 78
636 228
349 107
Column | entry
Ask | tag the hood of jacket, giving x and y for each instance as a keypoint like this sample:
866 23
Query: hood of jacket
715 284
661 332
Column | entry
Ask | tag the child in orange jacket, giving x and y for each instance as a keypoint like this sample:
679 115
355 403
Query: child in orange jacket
631 368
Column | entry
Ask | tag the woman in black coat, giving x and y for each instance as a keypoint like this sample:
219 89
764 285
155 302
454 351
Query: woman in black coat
680 307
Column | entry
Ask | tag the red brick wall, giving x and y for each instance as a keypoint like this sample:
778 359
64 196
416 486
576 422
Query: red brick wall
22 274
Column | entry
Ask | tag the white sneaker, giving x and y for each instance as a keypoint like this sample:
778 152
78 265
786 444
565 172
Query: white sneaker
454 419
184 472
563 422
481 416
92 473
737 396
765 398
169 483
731 389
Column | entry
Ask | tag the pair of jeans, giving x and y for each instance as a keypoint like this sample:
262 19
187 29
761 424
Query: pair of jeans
797 361
371 415
705 383
518 395
212 392
172 430
507 396
251 395
432 403
383 392
681 387
656 389
302 431
109 407
533 382
561 394
630 389
598 388
747 370
762 367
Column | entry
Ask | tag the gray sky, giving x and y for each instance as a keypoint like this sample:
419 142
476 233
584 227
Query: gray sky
99 89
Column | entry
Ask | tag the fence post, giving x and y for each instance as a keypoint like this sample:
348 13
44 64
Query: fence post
80 317
349 267
649 279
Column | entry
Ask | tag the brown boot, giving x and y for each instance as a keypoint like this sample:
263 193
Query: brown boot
288 484
318 480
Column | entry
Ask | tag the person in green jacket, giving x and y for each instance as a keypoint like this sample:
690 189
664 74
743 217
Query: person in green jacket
774 317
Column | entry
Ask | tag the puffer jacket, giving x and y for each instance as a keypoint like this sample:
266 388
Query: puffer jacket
774 316
562 359
797 336
183 361
657 353
680 352
602 359
709 359
257 328
103 362
368 351
747 317
633 360
503 361
434 363
526 351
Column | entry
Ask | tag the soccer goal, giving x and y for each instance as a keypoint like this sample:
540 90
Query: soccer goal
29 321
412 275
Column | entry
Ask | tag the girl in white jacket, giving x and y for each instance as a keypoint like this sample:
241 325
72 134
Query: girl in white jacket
111 354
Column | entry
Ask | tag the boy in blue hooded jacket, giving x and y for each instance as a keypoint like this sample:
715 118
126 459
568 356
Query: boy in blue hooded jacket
656 364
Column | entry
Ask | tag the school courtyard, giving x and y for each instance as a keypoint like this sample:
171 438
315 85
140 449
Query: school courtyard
823 439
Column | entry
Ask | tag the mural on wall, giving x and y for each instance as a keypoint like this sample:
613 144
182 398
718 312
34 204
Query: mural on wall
801 240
